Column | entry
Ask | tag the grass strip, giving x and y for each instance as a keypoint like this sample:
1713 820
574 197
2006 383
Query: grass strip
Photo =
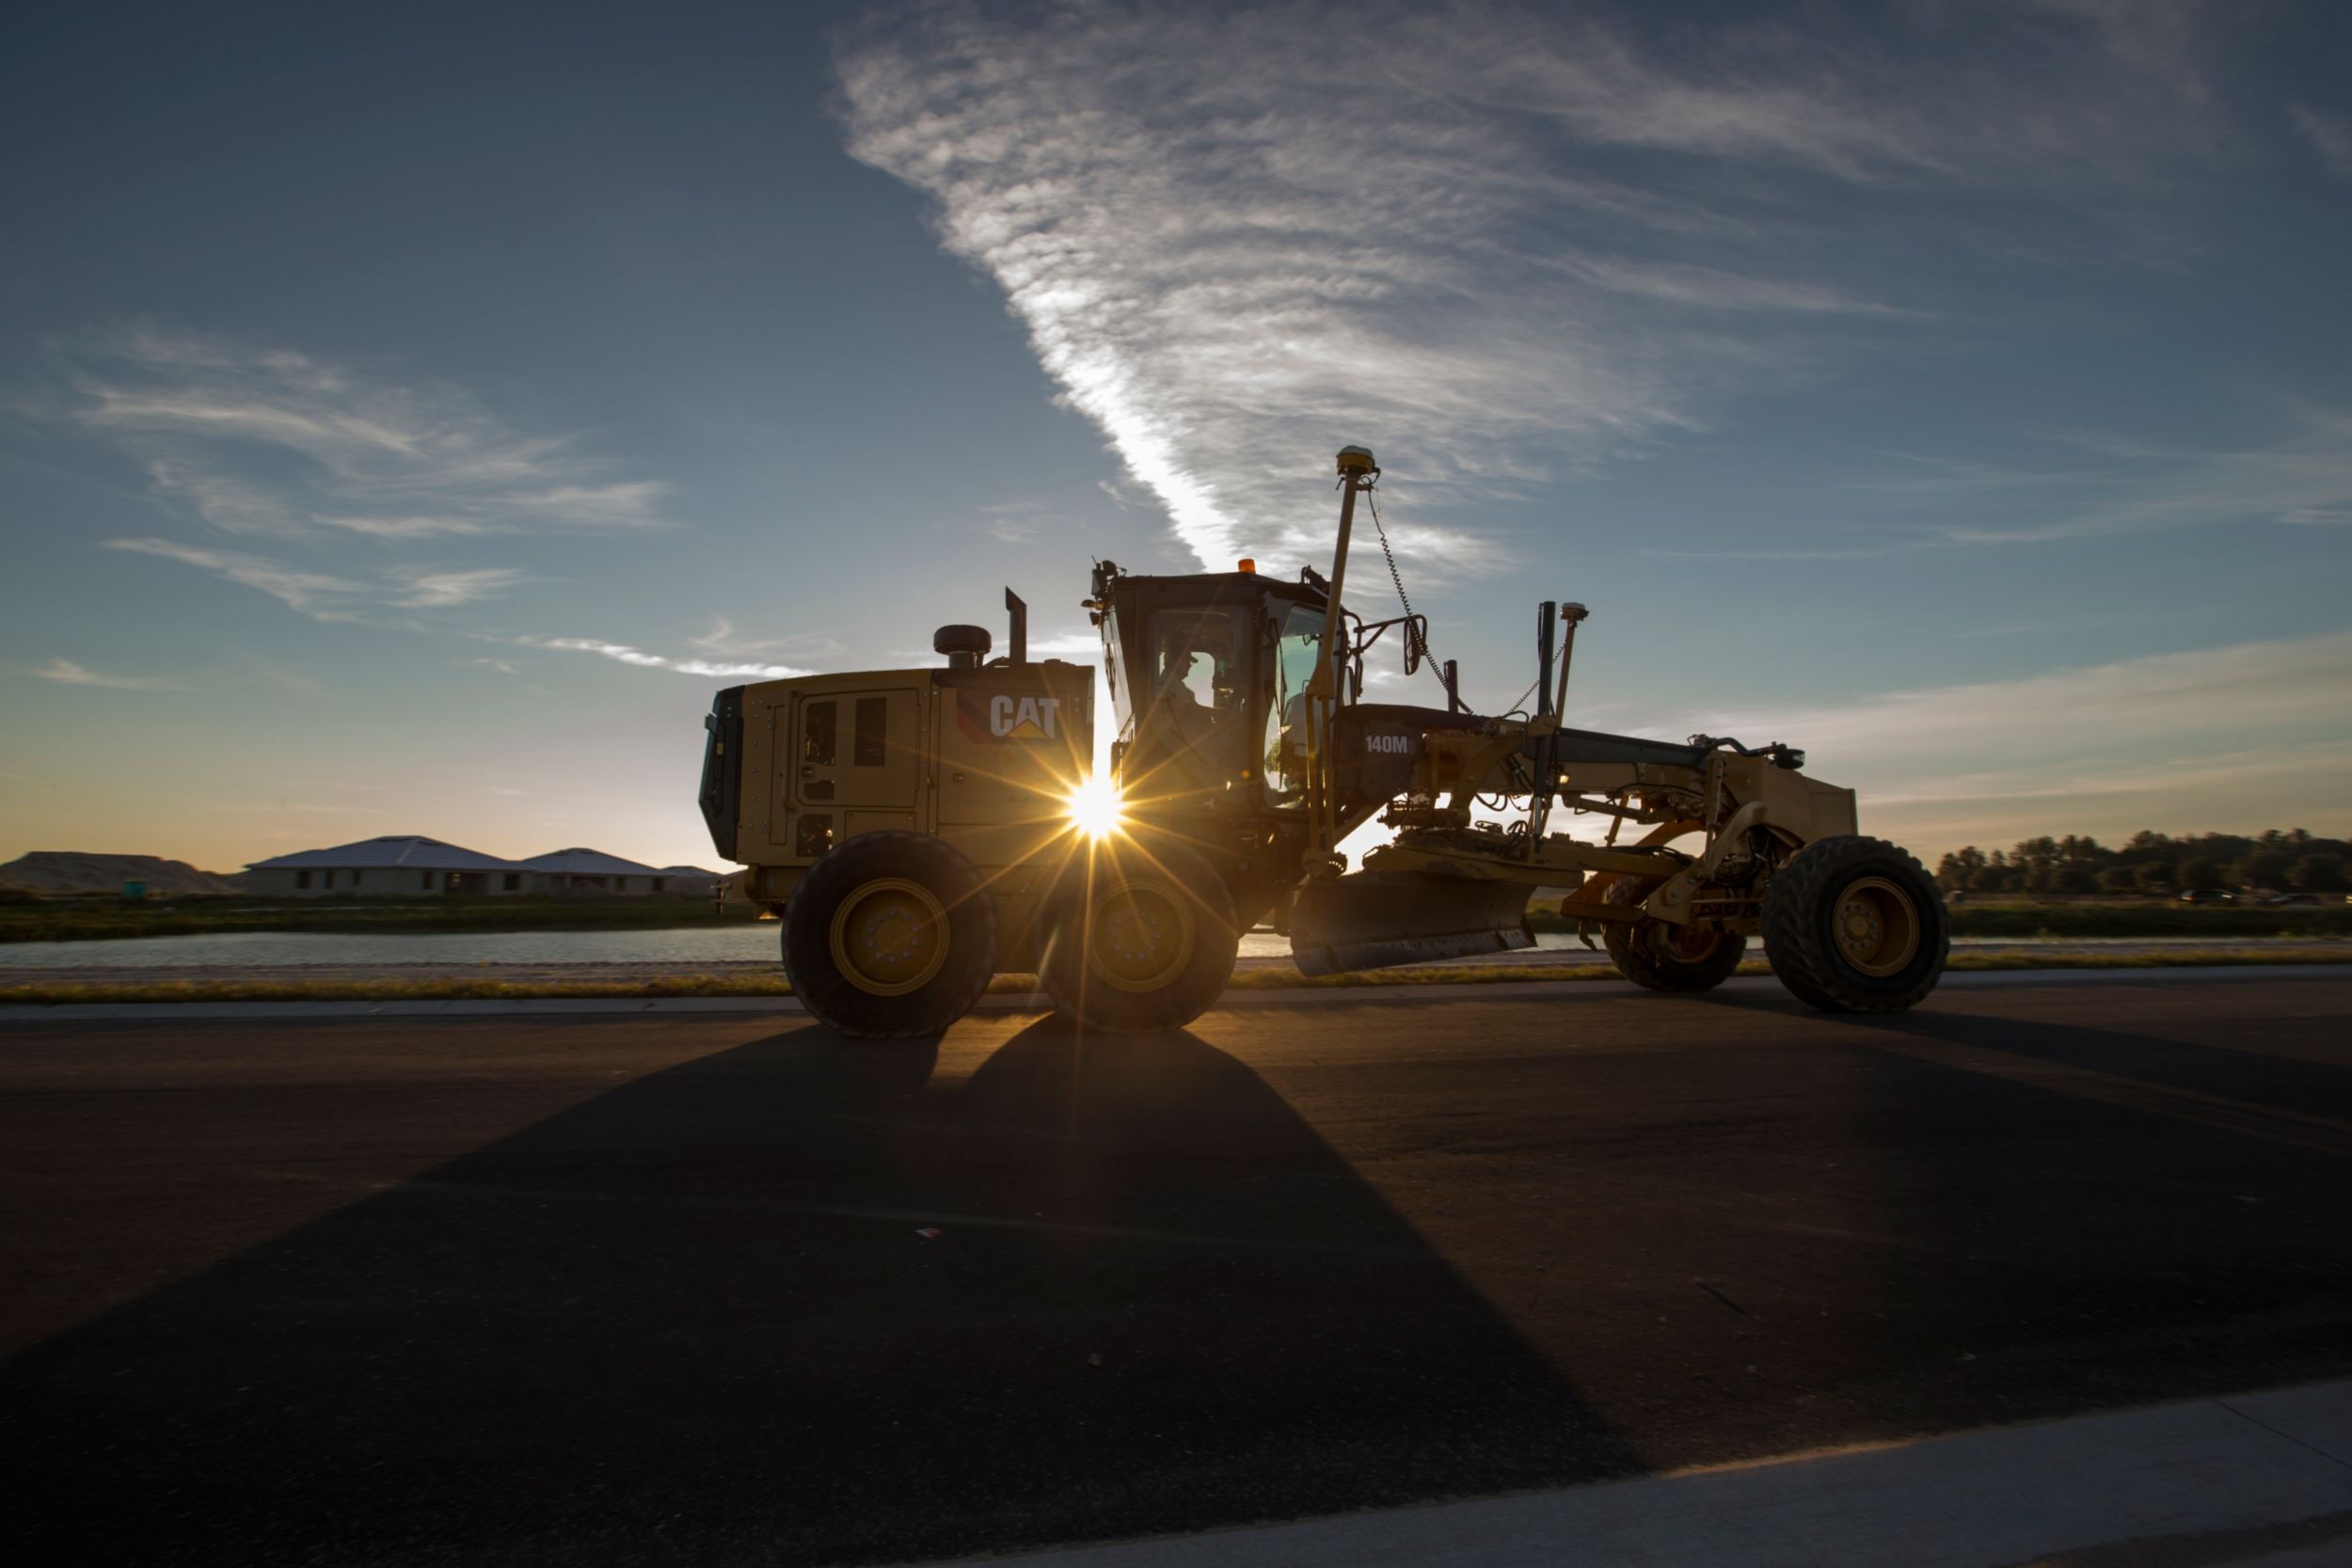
2189 924
460 988
97 920
1486 975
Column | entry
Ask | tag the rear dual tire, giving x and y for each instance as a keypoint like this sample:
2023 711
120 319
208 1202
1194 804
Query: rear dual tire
1856 925
1138 939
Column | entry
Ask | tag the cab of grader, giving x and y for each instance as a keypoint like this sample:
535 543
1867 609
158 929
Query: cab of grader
921 831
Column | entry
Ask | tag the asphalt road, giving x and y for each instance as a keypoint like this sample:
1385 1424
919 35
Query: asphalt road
664 1289
102 964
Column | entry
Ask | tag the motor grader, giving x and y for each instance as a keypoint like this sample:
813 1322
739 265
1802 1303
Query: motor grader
921 831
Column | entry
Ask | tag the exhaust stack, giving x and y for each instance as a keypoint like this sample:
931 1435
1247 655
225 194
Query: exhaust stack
1018 648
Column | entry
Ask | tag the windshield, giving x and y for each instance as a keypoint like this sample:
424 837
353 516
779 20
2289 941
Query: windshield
1295 653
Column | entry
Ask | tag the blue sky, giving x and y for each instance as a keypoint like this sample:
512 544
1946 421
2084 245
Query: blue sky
407 419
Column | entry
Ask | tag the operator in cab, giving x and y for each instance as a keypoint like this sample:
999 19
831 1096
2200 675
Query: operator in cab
1193 717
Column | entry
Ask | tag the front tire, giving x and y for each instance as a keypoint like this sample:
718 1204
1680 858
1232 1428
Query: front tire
1139 941
1658 955
1855 925
891 936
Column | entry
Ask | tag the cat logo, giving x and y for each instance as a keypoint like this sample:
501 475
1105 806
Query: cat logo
1007 716
1022 717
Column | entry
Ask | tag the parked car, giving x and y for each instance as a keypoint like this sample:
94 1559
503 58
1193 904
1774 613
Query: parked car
2208 895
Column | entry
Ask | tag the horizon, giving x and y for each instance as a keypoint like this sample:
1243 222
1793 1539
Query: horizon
1965 405
212 871
2276 838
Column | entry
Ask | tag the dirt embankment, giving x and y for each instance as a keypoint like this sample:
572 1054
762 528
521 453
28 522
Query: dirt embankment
54 872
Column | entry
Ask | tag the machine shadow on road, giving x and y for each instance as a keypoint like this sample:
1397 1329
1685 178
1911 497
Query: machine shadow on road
800 1300
2081 1216
2241 1072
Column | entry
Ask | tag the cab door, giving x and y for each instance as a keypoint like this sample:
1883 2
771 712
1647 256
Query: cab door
853 765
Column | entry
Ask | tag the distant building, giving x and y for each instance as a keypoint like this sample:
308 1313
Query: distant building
409 865
562 871
404 865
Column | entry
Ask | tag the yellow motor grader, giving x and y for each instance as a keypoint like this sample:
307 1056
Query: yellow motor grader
920 831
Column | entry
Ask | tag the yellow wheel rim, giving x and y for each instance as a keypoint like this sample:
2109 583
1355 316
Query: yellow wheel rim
1877 926
1140 936
889 936
1692 943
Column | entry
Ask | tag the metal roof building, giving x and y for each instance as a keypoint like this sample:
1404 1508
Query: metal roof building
411 865
394 850
588 863
578 870
403 864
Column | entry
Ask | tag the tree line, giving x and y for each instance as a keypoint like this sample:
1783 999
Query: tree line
2153 862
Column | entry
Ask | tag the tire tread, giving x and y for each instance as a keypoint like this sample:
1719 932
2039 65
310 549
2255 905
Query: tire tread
1796 938
830 996
1079 996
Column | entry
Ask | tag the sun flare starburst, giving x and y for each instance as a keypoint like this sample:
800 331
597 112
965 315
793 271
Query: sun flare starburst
1095 808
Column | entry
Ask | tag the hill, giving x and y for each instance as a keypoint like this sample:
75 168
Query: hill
54 872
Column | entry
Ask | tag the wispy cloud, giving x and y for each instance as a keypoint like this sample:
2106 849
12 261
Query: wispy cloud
2305 681
2330 135
262 672
723 640
267 441
1508 243
1859 552
2212 737
1017 522
622 653
1078 647
1929 474
420 527
326 596
314 593
427 589
377 599
2304 478
70 674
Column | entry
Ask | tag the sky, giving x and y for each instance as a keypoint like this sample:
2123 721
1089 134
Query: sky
410 416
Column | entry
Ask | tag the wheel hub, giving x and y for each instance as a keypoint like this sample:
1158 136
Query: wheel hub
889 936
1689 944
1876 923
1141 936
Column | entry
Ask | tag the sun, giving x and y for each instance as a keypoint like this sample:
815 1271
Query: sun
1095 808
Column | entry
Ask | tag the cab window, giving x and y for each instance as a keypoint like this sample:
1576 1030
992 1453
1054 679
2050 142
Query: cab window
872 748
1295 653
1193 697
817 731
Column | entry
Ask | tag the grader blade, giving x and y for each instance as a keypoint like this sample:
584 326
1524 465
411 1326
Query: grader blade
1373 919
